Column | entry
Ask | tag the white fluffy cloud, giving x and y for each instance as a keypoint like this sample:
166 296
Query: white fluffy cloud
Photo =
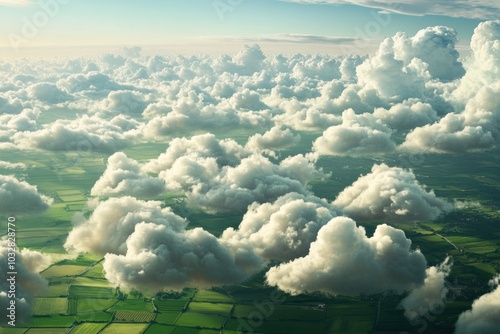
226 152
255 179
357 135
48 93
484 317
123 177
477 124
407 115
28 281
159 258
223 176
390 194
391 77
113 221
10 165
282 230
428 298
82 134
275 139
344 260
20 197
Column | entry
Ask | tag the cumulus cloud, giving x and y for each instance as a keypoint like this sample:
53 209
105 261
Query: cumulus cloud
391 77
484 317
428 298
20 197
436 47
48 93
123 177
159 258
82 134
226 152
390 194
248 61
123 102
224 176
282 230
275 139
357 135
254 179
344 260
10 165
28 281
113 221
407 115
476 125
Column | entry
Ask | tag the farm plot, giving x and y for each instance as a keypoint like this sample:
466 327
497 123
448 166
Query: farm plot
280 312
97 271
91 282
191 319
133 305
48 306
211 296
211 308
170 305
159 329
94 304
124 329
167 318
56 290
64 270
82 291
133 316
87 328
48 331
72 306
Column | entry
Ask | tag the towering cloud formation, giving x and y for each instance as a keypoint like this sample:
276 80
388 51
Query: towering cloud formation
282 230
28 281
484 317
478 126
344 260
123 177
19 197
392 195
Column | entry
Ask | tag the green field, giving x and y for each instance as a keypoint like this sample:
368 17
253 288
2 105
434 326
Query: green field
79 298
133 316
211 308
63 270
47 306
83 291
124 329
87 328
133 305
94 304
191 319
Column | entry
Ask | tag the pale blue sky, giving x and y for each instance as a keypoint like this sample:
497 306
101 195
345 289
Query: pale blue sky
199 24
